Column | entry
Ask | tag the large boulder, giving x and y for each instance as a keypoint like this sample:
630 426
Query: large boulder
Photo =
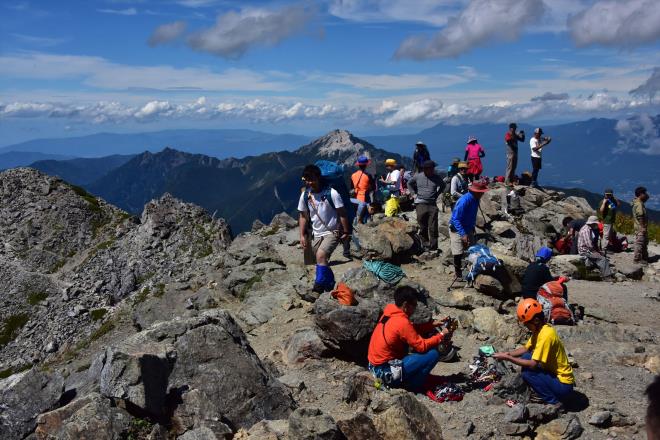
566 265
23 397
388 239
466 299
503 327
488 285
406 417
90 416
304 344
567 427
201 369
347 329
359 427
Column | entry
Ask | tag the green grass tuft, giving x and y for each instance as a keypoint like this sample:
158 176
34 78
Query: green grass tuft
248 286
98 314
11 326
159 291
35 298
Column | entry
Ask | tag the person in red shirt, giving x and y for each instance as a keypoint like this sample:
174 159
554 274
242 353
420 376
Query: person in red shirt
394 333
511 139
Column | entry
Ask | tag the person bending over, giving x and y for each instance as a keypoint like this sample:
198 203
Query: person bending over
545 366
394 333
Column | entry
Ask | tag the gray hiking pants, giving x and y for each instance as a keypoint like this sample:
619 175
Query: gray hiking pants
601 262
511 164
427 218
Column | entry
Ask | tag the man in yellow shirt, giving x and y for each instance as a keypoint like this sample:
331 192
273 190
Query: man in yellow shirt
543 358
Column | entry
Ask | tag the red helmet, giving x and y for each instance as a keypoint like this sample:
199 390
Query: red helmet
527 309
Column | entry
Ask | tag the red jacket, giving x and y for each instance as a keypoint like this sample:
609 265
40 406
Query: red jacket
389 340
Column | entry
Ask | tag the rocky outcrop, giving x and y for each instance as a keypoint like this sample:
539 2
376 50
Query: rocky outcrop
23 397
387 238
201 371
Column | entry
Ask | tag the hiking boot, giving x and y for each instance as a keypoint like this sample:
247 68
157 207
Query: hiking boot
318 288
535 398
348 256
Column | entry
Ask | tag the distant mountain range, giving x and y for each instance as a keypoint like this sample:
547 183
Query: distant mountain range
13 159
239 190
218 143
581 154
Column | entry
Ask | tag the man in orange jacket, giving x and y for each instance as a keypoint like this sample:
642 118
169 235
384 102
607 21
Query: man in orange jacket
394 333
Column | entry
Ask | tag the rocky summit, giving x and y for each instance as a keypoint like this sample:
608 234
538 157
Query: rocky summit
166 326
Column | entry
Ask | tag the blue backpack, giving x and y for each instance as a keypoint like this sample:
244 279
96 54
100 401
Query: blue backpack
482 261
332 174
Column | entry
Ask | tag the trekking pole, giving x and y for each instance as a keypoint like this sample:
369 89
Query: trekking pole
484 217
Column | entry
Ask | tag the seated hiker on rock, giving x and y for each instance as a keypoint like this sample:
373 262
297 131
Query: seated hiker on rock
323 206
572 227
587 244
394 333
537 273
545 366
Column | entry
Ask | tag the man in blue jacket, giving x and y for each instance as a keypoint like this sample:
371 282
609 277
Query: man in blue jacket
463 220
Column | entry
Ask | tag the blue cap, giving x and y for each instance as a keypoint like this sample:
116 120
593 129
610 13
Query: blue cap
363 160
544 253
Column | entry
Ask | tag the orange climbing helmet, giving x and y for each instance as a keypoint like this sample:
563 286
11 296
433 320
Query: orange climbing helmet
527 309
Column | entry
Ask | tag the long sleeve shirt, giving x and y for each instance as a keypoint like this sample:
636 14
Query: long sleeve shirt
464 215
426 189
585 240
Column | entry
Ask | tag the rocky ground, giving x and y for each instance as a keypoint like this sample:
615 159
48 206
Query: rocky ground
168 327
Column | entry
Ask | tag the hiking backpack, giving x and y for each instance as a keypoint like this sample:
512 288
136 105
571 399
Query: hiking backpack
551 298
332 176
481 260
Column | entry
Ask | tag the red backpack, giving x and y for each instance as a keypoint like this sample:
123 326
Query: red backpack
551 298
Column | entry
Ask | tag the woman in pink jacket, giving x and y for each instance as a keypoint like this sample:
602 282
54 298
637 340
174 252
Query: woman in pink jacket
473 154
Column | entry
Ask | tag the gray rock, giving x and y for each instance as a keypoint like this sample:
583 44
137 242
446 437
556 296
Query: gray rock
312 424
567 427
566 265
90 416
601 419
387 239
466 299
204 361
359 427
488 285
516 414
304 344
23 397
293 381
541 413
516 429
203 433
284 221
491 323
630 270
406 417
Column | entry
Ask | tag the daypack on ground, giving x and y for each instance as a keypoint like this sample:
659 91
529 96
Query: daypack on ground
481 261
344 295
551 297
392 207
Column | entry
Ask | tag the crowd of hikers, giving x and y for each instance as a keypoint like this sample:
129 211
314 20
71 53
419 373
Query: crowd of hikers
401 354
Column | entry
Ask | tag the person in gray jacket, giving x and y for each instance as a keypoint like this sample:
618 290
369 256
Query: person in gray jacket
426 187
459 183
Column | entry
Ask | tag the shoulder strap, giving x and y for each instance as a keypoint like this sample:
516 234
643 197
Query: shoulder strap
383 321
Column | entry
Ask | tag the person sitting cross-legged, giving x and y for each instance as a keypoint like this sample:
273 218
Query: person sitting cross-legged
545 366
394 333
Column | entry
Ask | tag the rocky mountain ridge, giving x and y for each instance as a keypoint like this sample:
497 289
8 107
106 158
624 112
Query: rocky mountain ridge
165 326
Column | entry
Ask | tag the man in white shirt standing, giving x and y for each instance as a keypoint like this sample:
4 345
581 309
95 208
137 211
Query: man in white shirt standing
323 207
536 144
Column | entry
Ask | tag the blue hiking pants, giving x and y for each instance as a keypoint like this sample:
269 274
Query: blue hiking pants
416 367
544 383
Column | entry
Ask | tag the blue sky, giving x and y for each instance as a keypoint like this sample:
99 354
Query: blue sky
372 66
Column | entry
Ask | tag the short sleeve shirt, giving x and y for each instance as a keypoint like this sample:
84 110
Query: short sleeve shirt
533 143
324 217
547 348
393 176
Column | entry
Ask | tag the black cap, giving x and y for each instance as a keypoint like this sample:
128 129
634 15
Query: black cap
428 164
513 125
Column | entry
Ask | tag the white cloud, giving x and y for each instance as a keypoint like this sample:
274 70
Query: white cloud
617 23
389 113
197 3
640 134
650 87
480 23
127 11
549 96
402 81
167 32
424 11
99 72
234 33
